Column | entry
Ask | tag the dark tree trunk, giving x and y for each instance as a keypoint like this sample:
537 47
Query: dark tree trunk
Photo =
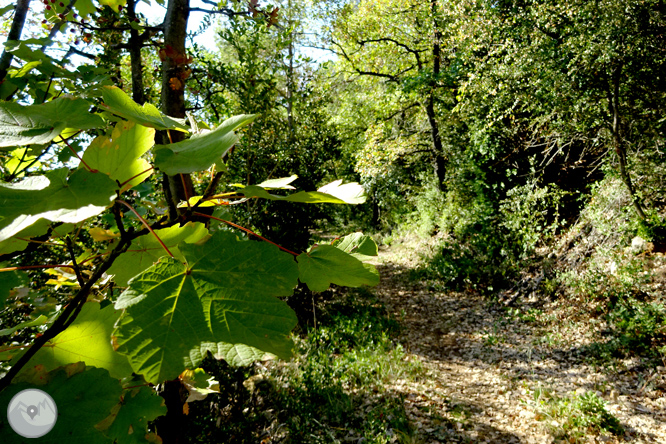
177 188
20 14
171 427
135 43
618 143
439 161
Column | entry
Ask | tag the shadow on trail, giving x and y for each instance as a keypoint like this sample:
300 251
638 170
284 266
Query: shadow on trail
486 362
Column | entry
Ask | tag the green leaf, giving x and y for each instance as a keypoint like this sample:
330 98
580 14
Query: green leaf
222 300
26 69
129 419
113 4
8 281
201 150
54 197
119 103
83 400
41 320
20 160
39 124
358 245
87 340
119 155
4 10
146 250
350 193
326 264
281 183
85 8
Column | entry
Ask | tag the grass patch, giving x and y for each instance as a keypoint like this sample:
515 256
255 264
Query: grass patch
337 387
574 417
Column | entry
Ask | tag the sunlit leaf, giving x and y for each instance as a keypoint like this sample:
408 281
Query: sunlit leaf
359 245
87 340
41 320
200 151
119 154
281 183
119 103
54 197
350 193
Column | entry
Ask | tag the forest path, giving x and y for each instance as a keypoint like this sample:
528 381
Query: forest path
484 369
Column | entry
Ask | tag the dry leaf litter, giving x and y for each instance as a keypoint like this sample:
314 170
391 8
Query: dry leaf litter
481 370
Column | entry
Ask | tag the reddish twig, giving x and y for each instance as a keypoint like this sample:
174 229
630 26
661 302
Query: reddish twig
247 230
135 176
92 170
145 224
187 198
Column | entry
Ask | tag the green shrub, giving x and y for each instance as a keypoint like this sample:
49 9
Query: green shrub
574 417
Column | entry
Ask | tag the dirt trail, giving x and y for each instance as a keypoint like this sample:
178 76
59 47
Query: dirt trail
484 368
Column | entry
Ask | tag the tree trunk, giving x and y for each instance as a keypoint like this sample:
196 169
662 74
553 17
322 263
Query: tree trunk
439 161
20 14
171 427
135 43
620 148
177 188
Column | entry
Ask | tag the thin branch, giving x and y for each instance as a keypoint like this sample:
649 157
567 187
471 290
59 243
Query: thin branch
75 266
212 186
92 170
226 11
415 52
247 230
73 50
20 14
135 176
143 221
36 242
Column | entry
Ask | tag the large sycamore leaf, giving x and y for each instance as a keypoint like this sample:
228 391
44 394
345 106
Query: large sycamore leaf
335 192
119 154
119 103
54 197
221 300
326 264
83 399
88 340
146 250
128 422
201 150
39 124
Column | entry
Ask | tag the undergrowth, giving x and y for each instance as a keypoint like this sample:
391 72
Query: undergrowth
336 388
574 417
